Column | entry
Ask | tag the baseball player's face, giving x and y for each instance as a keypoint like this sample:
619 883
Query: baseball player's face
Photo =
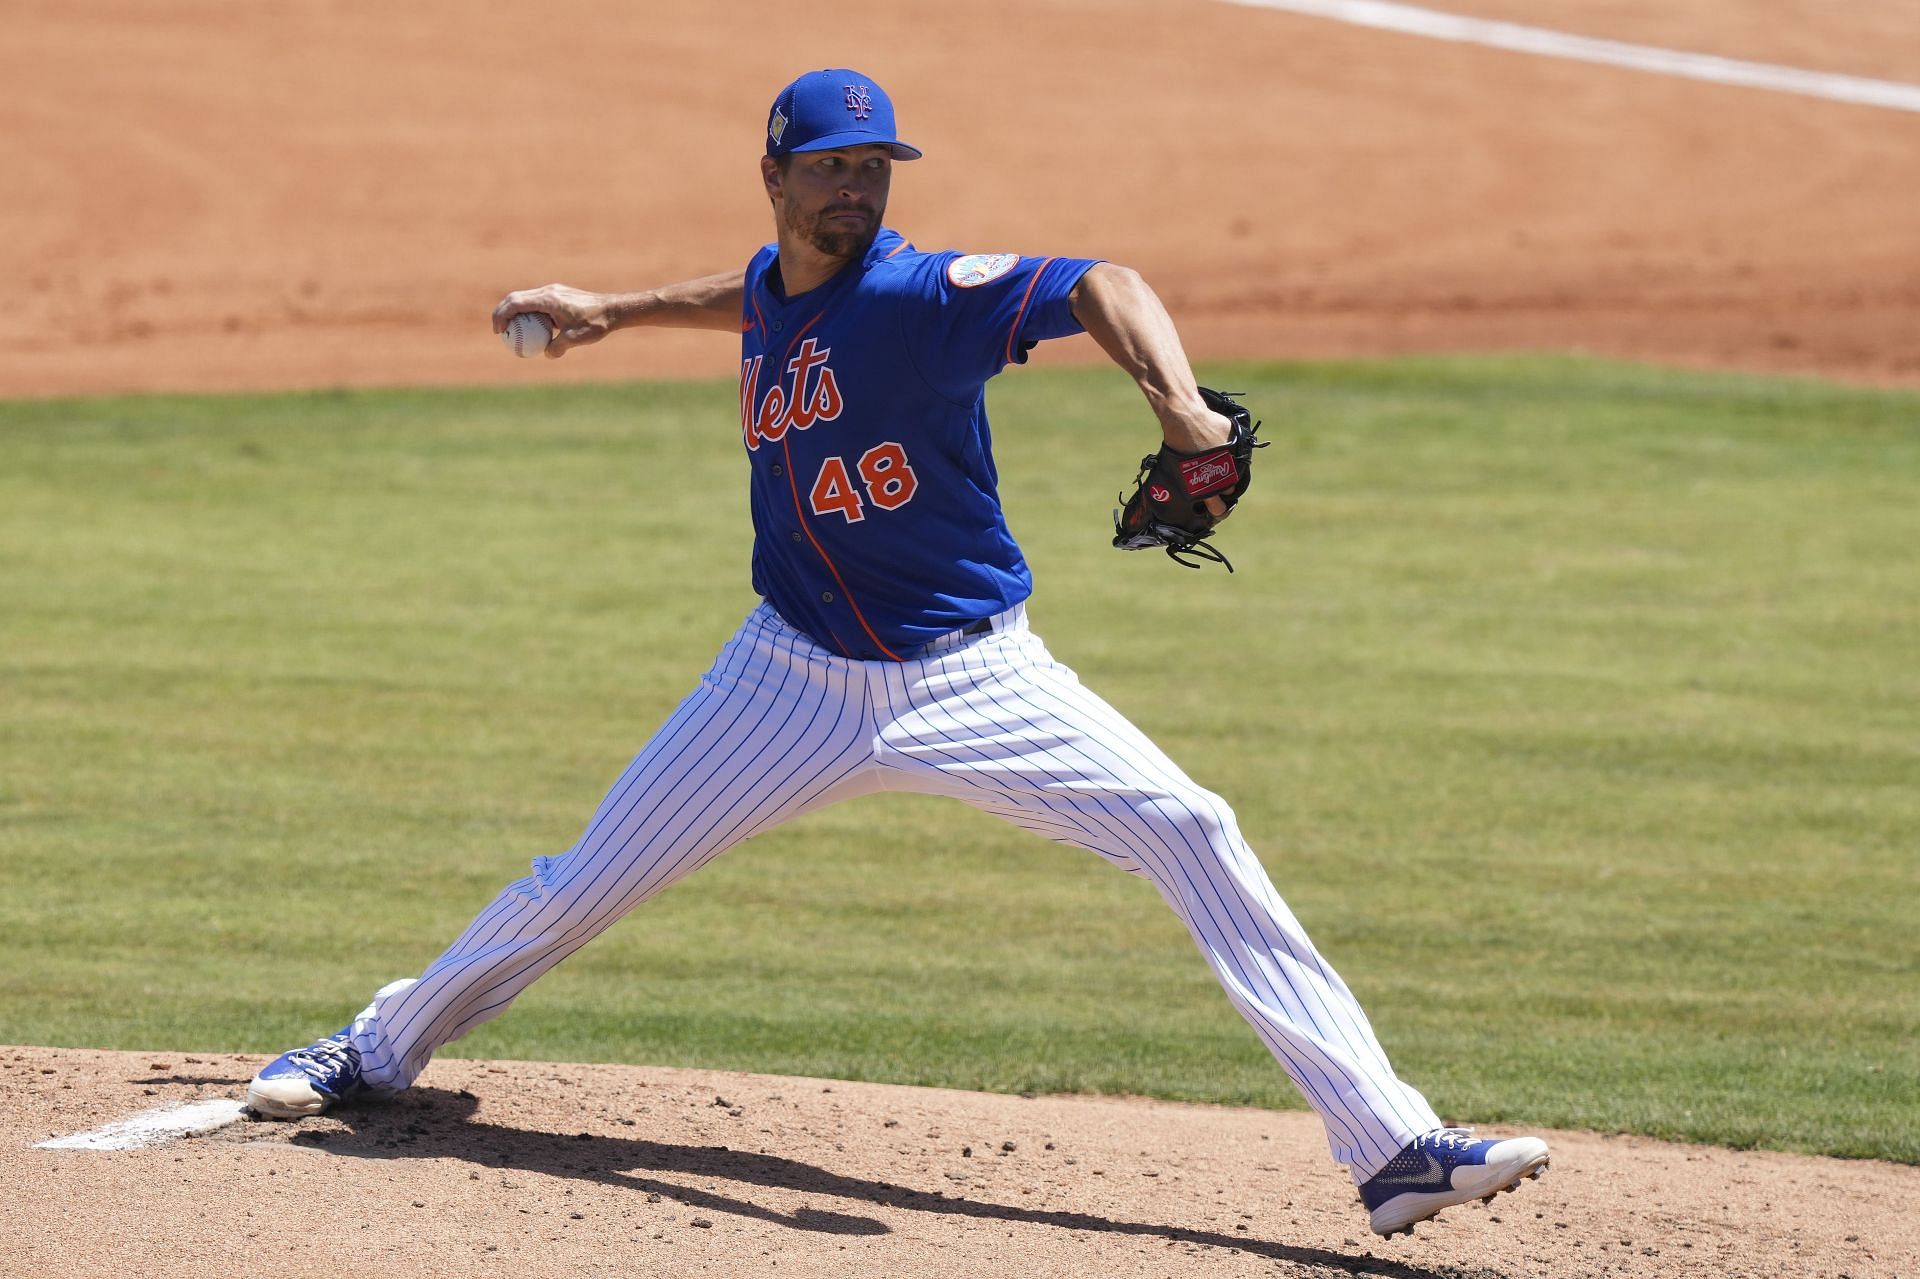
833 200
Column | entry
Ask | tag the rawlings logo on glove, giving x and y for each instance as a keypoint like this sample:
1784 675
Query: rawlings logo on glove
1168 508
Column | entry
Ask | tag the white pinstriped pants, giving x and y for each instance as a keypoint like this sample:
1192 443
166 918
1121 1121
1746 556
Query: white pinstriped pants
779 727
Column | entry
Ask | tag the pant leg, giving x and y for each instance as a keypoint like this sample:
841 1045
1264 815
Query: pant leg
1001 725
776 727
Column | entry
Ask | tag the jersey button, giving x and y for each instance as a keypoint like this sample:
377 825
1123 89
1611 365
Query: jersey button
826 597
779 325
777 470
795 535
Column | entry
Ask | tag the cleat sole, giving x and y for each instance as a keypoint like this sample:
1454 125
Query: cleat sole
1428 1211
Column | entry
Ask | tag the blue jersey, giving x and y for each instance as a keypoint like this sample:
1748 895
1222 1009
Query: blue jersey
876 512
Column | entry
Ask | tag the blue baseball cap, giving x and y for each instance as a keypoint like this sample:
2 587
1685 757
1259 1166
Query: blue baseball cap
826 110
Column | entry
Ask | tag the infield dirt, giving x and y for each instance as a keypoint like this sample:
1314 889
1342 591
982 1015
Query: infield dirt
207 195
214 196
555 1171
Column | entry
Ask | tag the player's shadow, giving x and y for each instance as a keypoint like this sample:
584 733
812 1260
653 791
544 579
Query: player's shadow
197 1081
433 1123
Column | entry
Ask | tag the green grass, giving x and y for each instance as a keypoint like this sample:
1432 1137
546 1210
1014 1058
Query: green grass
1574 707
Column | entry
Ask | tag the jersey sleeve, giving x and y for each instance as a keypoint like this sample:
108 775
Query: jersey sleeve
983 311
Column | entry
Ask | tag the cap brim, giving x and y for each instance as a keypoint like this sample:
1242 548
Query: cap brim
836 141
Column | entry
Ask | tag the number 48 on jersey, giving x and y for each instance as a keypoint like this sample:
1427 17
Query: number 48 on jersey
885 477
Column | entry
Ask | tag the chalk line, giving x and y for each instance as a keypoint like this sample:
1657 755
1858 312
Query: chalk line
1412 20
151 1127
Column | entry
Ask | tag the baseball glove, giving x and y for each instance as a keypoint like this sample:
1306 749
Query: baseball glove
1169 503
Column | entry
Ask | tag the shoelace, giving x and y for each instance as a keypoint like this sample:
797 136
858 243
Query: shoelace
328 1054
1456 1138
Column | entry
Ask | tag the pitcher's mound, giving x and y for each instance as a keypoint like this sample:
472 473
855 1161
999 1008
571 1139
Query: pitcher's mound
537 1170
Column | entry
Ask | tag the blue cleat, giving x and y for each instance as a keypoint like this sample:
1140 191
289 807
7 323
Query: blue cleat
307 1080
1445 1168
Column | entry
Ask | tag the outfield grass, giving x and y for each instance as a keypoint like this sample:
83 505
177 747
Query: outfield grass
1574 706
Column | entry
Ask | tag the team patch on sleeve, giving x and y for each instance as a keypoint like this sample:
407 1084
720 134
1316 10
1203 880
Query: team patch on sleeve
976 269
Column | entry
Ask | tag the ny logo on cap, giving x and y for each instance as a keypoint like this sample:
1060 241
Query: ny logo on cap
859 101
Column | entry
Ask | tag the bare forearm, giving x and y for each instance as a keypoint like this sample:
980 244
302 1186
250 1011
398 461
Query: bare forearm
581 317
710 302
1125 316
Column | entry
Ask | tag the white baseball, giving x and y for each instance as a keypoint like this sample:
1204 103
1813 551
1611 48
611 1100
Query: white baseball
527 334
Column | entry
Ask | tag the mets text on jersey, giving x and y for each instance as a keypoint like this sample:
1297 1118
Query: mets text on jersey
812 395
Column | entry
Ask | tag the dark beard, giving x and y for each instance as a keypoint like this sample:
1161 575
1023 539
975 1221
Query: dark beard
843 244
835 244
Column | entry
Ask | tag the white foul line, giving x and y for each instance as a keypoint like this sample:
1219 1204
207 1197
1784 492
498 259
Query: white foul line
1638 57
151 1127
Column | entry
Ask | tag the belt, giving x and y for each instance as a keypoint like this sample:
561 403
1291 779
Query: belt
972 630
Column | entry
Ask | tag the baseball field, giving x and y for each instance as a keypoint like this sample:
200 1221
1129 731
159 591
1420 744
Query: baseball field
1566 683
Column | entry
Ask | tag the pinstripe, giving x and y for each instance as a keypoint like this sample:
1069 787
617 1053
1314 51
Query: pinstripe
696 836
1255 897
1152 855
1224 911
723 746
1018 695
553 918
463 972
1118 833
780 725
592 917
679 727
577 924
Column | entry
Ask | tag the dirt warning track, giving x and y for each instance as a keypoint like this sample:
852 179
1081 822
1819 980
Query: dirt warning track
217 195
